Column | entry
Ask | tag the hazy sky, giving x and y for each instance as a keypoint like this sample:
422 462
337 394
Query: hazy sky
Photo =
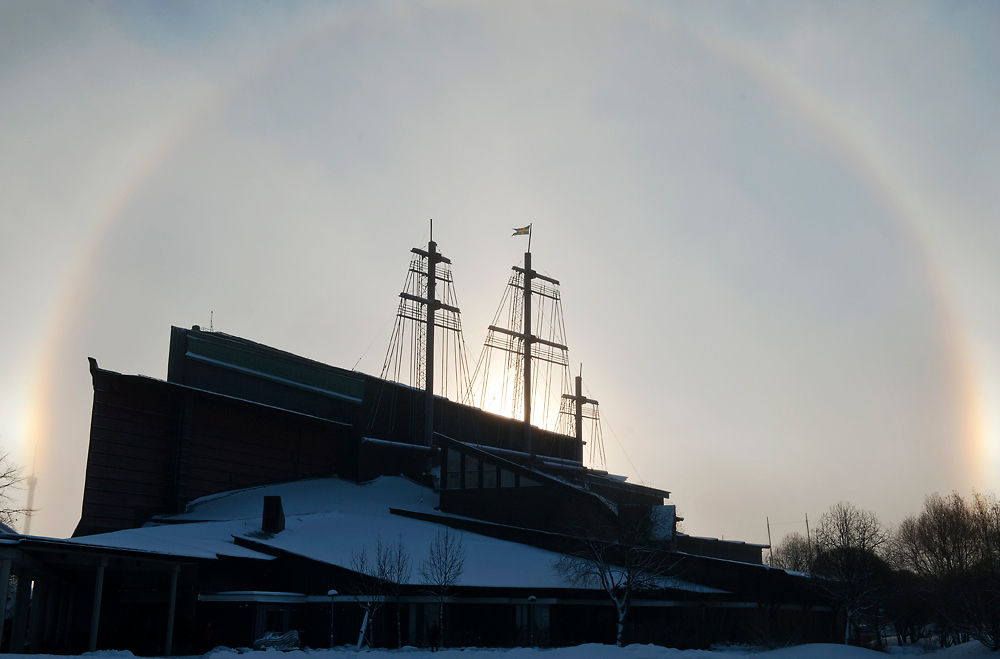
776 223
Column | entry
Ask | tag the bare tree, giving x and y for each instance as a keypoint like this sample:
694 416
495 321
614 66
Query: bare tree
849 565
983 617
369 587
378 579
620 560
10 480
954 546
397 577
792 553
443 568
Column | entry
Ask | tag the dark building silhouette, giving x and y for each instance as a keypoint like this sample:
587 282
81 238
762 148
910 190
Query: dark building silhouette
227 501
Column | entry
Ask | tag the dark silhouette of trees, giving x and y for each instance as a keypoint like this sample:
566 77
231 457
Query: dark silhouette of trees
848 565
792 553
937 574
10 481
953 546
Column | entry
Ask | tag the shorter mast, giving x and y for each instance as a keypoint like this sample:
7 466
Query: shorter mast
578 401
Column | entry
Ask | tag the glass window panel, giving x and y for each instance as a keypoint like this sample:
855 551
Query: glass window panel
454 469
471 472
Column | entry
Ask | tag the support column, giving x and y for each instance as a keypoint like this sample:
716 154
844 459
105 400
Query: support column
69 618
54 590
411 627
62 617
39 600
4 583
19 625
171 607
95 616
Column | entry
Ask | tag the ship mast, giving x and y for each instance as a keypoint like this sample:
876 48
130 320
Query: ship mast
419 305
431 304
574 408
527 339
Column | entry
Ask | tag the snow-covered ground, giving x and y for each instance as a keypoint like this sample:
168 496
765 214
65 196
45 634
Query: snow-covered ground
595 651
972 650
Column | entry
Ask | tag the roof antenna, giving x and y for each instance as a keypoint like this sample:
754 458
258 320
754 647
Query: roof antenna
211 321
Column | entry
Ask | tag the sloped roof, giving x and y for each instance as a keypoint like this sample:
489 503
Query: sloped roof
329 519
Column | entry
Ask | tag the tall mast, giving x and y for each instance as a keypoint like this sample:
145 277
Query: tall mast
432 302
431 305
520 341
529 339
528 276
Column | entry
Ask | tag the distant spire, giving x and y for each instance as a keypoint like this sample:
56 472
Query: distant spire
32 481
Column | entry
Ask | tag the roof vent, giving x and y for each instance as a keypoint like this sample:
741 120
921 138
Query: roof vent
274 516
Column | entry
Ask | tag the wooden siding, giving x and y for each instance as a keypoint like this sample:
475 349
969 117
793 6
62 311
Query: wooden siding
154 446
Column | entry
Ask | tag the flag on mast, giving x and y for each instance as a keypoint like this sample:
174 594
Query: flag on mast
523 231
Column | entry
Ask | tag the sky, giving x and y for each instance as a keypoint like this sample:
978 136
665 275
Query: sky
775 223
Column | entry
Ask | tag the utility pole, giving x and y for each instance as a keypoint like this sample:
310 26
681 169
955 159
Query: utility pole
809 544
770 548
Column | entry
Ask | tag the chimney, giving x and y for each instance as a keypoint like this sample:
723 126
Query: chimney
274 516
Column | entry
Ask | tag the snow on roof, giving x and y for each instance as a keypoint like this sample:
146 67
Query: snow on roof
314 495
209 540
328 520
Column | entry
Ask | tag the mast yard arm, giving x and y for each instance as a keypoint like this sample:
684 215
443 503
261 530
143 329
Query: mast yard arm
437 304
535 275
533 339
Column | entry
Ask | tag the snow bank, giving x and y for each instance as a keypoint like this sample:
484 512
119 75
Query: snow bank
590 651
595 651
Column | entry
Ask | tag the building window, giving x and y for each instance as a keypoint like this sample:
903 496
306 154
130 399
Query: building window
454 469
527 482
489 475
471 472
506 478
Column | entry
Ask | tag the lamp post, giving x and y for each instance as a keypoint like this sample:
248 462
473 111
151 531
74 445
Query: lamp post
531 623
332 594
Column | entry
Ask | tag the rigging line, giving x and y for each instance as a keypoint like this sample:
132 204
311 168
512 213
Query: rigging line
385 370
445 362
496 321
498 393
622 446
482 398
398 349
384 325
